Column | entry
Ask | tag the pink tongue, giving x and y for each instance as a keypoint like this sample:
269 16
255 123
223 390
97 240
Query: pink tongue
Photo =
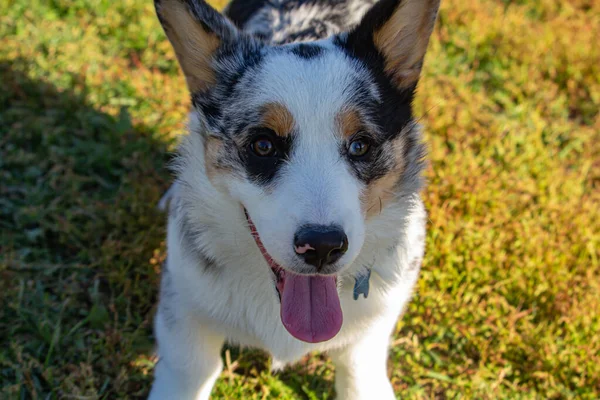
310 307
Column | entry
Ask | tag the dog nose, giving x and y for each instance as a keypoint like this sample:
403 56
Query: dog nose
320 245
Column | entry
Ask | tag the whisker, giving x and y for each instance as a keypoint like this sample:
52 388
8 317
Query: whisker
426 112
370 208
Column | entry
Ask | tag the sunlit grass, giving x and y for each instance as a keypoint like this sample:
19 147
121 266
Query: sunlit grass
508 305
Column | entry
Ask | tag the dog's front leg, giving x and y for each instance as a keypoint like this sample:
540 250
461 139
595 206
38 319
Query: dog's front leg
361 367
189 361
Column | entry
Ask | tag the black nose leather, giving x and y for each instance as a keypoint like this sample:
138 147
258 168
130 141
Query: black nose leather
320 245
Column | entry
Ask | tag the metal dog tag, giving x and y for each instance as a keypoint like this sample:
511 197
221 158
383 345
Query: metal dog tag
361 285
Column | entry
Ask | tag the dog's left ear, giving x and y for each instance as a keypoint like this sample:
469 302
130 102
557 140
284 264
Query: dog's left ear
196 31
399 31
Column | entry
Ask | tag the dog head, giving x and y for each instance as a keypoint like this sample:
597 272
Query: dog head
312 139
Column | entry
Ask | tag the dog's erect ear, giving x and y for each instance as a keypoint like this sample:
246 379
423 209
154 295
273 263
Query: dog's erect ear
399 30
196 31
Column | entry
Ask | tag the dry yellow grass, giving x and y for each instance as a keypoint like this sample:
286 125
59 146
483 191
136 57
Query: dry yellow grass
508 305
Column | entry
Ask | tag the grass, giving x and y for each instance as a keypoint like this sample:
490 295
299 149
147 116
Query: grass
508 304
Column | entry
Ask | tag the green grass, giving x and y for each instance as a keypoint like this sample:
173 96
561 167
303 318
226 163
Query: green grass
508 304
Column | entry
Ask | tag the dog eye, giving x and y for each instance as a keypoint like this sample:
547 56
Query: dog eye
359 148
263 147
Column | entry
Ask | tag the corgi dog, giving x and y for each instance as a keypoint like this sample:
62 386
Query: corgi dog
295 222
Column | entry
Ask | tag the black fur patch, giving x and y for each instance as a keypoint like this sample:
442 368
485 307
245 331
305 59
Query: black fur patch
240 11
263 170
307 50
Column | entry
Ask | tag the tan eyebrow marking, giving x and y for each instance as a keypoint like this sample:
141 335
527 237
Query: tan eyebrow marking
277 117
348 122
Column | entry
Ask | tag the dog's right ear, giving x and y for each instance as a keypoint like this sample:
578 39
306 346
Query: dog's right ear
196 31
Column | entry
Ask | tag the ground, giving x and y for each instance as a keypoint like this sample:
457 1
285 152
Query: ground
508 304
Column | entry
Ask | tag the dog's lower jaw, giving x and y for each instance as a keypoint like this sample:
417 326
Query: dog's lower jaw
309 304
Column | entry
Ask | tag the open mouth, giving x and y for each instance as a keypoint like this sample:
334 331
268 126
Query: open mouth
310 305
